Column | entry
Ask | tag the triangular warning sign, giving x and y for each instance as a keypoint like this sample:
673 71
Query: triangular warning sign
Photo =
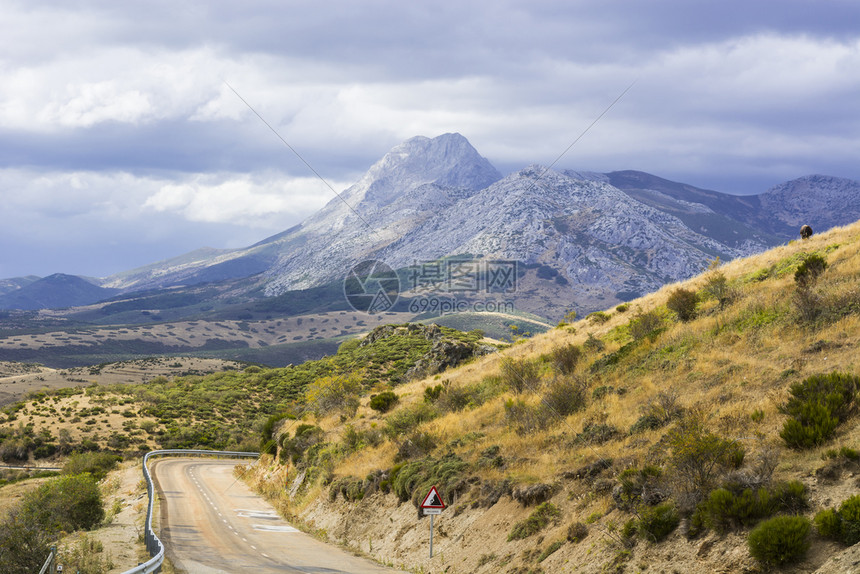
433 500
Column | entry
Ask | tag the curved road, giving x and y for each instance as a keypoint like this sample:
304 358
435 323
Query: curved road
213 524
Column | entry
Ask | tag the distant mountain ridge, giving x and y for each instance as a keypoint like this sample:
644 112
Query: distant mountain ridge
606 237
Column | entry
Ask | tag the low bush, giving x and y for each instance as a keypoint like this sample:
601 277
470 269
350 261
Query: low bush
98 464
731 507
657 522
640 486
598 317
842 525
305 436
817 406
537 521
565 395
405 419
645 325
577 532
550 550
383 401
597 433
683 303
699 459
412 480
520 375
565 358
780 540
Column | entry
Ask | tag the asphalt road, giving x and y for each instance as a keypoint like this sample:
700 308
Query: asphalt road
213 524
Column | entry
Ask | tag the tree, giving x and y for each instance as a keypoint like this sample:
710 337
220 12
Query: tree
334 393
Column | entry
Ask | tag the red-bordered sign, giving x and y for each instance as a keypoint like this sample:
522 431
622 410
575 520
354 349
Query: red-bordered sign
433 500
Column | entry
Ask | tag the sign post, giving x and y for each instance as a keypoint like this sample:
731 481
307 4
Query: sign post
432 505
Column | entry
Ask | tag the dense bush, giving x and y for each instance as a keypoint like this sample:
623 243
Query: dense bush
809 270
305 436
545 513
657 522
683 303
98 464
817 406
645 325
66 504
412 480
780 540
730 508
383 401
842 525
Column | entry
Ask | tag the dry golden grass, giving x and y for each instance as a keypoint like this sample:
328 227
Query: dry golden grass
731 362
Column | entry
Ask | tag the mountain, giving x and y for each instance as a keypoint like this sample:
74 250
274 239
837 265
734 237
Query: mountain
583 240
820 201
55 291
15 283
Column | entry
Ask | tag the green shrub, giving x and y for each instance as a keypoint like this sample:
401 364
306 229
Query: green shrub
645 325
598 317
383 401
842 525
550 549
658 522
829 524
717 286
683 303
405 419
780 540
735 507
66 504
306 436
545 513
412 480
809 270
98 464
817 406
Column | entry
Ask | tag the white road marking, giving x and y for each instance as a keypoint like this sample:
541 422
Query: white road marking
273 528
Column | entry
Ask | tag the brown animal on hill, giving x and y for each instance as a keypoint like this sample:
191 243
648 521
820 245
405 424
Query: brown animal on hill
805 232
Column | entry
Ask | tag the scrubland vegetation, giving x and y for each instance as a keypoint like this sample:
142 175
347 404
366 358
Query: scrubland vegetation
710 408
704 408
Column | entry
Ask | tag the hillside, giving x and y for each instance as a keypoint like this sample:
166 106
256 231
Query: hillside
587 418
564 452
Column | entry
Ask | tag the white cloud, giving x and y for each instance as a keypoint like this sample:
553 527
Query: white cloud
240 200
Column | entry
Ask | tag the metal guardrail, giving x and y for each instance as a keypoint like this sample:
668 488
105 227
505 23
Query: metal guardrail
48 566
153 544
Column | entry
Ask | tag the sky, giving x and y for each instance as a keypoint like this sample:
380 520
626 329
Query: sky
122 144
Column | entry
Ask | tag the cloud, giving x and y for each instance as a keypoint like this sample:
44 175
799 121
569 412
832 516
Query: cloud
116 126
242 200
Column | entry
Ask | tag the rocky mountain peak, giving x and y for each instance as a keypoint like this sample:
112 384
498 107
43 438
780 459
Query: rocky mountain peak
448 160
